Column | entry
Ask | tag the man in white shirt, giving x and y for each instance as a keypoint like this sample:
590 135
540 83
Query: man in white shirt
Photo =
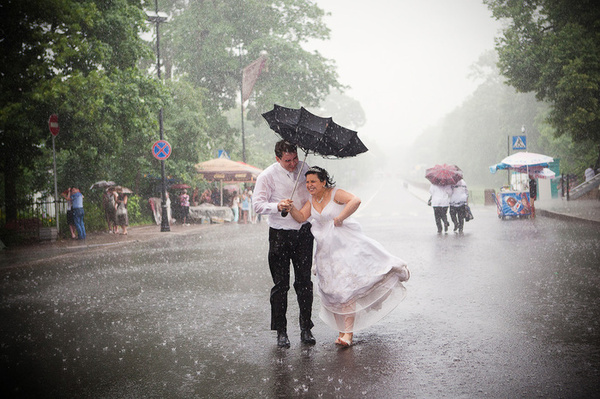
458 205
288 239
440 201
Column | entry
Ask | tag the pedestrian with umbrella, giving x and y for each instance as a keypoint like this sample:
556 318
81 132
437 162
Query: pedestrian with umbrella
458 205
442 177
289 240
122 215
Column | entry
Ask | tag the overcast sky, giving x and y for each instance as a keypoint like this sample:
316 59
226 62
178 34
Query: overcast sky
407 61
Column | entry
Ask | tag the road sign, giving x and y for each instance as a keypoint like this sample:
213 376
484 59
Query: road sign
53 124
519 142
161 150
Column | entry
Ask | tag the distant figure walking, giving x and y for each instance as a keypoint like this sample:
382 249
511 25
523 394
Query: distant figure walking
440 201
458 205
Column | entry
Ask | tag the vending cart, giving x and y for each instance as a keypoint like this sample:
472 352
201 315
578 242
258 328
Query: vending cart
515 204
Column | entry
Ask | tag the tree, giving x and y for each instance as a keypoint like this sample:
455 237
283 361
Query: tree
552 48
209 43
77 59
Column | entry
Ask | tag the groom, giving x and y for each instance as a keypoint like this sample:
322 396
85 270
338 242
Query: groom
288 240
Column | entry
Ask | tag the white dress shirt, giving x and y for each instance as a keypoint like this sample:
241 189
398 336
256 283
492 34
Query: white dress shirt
440 195
460 194
275 184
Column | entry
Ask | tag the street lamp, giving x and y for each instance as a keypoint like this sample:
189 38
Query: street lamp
159 17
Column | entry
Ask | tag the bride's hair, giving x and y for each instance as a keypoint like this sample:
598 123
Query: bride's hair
321 174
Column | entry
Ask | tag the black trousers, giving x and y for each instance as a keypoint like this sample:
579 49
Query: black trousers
441 215
295 246
458 214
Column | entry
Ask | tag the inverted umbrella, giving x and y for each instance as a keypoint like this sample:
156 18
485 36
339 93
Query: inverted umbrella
314 134
444 174
102 184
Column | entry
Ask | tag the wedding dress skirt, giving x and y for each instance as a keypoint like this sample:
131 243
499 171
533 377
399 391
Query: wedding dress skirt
359 282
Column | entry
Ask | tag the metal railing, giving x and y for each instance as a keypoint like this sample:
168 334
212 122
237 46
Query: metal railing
32 216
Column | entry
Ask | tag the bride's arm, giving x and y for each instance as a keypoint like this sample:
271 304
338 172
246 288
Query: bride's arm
352 203
301 215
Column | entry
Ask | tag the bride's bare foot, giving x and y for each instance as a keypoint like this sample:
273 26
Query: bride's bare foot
344 339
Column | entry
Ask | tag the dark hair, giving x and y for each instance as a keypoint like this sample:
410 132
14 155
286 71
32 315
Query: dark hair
321 174
283 146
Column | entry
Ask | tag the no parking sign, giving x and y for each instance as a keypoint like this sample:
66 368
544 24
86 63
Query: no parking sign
161 150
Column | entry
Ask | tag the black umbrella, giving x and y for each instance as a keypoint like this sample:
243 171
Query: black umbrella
314 134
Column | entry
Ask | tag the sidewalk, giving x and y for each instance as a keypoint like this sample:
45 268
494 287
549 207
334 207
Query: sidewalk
33 252
577 210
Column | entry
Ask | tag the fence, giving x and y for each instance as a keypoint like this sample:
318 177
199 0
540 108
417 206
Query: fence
32 216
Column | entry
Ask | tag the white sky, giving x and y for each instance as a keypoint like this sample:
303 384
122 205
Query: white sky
407 61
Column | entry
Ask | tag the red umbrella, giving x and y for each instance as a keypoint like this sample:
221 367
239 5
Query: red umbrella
177 186
444 175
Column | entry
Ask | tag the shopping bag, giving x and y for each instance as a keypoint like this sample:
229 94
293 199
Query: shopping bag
468 213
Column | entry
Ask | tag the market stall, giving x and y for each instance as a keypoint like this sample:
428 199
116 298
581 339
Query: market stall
225 170
514 200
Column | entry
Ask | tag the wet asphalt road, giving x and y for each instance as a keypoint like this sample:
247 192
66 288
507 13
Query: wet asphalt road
510 309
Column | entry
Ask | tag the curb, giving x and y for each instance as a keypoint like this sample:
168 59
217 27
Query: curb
562 216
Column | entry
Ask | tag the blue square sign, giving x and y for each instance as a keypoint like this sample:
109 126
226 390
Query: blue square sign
519 142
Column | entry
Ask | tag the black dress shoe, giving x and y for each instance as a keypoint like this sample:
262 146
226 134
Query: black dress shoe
307 338
282 339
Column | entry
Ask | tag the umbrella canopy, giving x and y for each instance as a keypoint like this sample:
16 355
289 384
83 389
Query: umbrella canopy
102 184
444 174
542 174
121 189
223 169
180 186
314 134
523 162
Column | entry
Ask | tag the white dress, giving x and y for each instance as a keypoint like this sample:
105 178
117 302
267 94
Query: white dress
356 276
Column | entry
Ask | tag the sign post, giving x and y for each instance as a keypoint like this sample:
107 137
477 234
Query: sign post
161 151
54 129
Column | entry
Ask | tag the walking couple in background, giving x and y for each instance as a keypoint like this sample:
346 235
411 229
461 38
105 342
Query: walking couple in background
456 198
358 281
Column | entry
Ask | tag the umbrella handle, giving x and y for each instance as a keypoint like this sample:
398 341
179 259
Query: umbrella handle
285 213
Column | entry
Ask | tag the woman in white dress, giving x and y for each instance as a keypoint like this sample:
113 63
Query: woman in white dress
359 282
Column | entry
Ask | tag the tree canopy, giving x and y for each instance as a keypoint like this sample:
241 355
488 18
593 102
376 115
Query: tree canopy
88 62
552 48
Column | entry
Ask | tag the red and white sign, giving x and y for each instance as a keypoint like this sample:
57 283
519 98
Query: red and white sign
53 124
161 150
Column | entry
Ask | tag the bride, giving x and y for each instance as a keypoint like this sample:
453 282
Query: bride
359 282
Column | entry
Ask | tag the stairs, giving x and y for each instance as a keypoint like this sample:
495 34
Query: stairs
585 187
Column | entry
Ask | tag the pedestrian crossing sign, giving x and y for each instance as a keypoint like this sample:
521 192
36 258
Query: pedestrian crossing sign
519 142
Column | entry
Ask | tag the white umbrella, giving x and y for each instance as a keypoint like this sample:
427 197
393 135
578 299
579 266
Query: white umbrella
523 162
542 174
102 184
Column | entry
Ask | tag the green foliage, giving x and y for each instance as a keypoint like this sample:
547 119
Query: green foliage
552 48
86 62
80 62
211 42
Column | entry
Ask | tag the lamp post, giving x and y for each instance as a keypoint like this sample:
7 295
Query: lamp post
159 17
